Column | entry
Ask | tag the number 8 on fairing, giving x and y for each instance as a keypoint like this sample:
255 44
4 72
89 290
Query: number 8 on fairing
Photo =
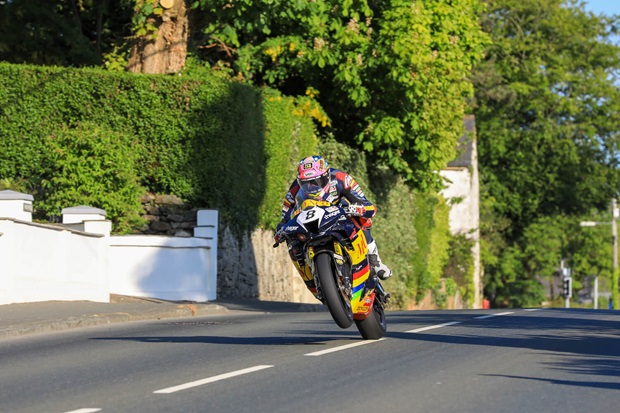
311 215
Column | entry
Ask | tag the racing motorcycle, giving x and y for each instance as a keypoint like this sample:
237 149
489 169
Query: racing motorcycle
331 250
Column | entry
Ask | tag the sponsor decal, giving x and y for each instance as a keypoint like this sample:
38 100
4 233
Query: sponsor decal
358 190
308 165
331 209
333 214
291 228
348 181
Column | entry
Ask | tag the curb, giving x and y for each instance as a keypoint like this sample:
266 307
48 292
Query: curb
53 325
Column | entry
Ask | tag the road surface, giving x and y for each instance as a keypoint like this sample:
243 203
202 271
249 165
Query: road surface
515 361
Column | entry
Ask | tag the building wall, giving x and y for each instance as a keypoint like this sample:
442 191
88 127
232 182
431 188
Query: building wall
463 194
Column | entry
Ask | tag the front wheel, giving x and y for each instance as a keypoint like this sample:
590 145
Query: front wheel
338 308
374 326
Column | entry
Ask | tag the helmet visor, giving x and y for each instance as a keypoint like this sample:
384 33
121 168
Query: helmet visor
320 181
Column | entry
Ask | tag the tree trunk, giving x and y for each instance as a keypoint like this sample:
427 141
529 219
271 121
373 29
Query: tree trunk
167 52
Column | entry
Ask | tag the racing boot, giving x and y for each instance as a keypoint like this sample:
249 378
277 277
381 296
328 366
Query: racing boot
379 268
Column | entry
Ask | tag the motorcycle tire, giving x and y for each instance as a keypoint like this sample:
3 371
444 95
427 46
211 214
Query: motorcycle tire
374 326
338 308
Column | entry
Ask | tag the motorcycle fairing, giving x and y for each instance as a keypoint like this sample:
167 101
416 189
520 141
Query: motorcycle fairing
309 222
361 298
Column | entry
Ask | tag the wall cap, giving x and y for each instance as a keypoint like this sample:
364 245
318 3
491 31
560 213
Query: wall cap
83 209
7 194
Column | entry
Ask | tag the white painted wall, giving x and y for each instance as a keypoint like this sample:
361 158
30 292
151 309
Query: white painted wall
168 268
43 263
81 261
463 200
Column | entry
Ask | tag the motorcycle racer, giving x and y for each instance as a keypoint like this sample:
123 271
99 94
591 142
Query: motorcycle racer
338 188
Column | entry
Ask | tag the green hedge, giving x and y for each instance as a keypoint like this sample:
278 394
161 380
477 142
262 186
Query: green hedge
215 143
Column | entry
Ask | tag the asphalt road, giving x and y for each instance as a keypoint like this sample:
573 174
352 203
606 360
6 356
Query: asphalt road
453 361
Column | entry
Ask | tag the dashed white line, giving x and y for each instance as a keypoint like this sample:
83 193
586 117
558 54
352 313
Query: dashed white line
84 410
211 379
531 309
346 346
419 330
493 315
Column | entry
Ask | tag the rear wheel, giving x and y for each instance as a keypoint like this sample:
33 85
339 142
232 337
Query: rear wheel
338 307
374 326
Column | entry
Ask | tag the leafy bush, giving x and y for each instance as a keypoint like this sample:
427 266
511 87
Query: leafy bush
90 165
460 266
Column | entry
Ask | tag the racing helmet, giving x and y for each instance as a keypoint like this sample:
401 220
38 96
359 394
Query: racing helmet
313 170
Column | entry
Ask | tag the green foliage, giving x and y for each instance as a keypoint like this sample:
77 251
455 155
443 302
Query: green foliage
63 32
20 185
440 241
90 165
214 143
430 254
459 269
545 93
290 139
548 114
423 223
390 76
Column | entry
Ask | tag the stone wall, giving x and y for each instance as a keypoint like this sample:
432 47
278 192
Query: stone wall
251 267
167 215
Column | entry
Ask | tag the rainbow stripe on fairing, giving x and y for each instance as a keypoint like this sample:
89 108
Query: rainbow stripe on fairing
361 272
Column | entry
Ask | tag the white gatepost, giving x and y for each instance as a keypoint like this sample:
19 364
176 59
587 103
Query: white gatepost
16 205
88 219
207 227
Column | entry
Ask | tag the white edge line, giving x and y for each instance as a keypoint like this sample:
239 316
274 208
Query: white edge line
346 346
211 379
84 410
493 315
532 309
418 330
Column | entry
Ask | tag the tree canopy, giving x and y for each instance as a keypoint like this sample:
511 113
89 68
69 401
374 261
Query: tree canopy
547 108
65 33
391 76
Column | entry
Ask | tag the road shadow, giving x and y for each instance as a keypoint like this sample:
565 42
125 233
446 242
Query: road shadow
256 305
594 384
228 340
583 342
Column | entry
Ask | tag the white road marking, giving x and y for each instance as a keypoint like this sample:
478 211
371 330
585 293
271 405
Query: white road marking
493 315
346 346
531 309
419 330
85 410
211 379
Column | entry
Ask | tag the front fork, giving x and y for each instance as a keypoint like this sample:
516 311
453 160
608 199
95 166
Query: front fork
343 278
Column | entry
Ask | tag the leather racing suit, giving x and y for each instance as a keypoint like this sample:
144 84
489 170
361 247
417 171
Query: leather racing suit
343 189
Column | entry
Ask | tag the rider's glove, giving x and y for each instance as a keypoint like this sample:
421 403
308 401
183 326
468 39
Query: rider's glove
355 210
279 236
